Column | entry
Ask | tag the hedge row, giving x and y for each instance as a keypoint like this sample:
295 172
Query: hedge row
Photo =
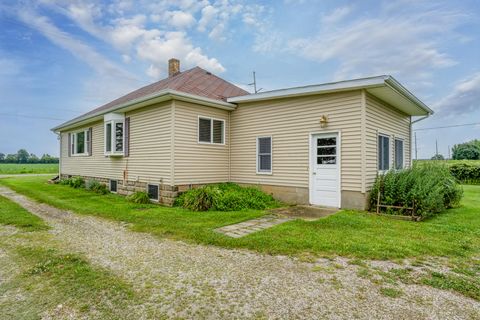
430 188
466 173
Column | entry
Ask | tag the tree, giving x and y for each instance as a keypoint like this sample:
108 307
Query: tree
466 151
22 156
11 158
33 158
2 157
438 156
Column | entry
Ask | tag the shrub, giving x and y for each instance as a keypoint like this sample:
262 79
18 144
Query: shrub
76 182
139 197
430 186
466 151
95 186
466 172
225 197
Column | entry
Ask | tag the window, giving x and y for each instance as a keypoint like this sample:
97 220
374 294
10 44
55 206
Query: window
398 154
383 153
327 150
264 155
152 190
211 131
80 142
113 185
114 137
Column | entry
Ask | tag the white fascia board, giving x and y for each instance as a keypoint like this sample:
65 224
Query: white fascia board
314 89
157 97
364 83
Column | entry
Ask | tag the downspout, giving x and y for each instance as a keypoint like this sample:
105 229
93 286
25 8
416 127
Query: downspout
411 133
59 138
229 146
420 119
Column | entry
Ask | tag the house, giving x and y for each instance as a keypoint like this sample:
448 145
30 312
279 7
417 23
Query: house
322 144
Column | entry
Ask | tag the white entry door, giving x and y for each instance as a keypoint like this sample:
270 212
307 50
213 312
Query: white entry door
324 187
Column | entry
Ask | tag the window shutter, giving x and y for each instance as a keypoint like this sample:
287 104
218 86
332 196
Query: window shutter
127 137
69 142
90 138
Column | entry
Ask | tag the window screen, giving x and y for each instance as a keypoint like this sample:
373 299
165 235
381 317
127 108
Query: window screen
153 192
264 152
204 130
113 185
119 136
108 137
217 131
80 142
383 153
398 154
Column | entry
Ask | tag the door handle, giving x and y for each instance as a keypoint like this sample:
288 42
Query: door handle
314 172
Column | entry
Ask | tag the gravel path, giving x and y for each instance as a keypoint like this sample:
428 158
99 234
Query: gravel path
191 281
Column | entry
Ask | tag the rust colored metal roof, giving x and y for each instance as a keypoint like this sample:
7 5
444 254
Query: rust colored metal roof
195 81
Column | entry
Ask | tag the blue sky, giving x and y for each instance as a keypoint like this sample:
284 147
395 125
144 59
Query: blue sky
60 58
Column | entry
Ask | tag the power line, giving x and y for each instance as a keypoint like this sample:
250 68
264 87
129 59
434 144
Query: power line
31 117
452 126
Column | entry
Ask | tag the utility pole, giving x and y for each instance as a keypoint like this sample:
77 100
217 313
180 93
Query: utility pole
254 84
416 146
436 146
448 152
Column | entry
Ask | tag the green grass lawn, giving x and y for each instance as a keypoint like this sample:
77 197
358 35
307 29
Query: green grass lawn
453 234
12 214
19 168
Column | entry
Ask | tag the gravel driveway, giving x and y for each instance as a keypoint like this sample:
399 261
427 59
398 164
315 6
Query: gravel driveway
192 281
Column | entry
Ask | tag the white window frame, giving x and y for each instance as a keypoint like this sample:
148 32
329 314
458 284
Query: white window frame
395 152
389 152
211 130
73 143
158 193
113 138
269 172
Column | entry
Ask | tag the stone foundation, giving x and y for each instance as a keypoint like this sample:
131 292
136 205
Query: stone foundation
290 195
166 193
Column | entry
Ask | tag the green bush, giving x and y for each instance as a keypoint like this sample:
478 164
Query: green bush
139 197
430 187
225 197
466 172
76 182
95 186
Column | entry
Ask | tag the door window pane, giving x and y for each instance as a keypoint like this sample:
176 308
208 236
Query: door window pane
326 160
327 141
327 151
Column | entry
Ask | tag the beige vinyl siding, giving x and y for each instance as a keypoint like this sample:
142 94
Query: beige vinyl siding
198 163
384 119
290 122
150 156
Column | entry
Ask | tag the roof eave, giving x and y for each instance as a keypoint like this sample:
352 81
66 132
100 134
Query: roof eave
358 84
161 96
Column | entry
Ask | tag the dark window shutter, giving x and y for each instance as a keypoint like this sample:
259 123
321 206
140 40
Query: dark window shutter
69 142
90 138
127 137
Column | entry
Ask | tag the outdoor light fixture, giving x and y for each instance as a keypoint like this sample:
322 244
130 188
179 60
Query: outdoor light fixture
323 121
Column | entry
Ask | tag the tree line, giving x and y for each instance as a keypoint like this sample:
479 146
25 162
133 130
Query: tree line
467 151
23 156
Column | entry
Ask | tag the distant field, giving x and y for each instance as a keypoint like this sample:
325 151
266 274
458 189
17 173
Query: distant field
14 168
449 162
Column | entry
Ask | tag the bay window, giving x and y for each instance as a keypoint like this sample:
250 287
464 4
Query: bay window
114 134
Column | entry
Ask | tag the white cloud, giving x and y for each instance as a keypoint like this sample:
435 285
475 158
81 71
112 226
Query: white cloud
405 43
464 99
337 15
209 14
180 19
159 49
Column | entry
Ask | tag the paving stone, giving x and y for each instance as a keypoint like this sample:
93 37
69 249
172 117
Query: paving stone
247 227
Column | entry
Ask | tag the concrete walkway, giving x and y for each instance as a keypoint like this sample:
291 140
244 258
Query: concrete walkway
244 228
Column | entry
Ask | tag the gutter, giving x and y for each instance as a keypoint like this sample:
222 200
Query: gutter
163 95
